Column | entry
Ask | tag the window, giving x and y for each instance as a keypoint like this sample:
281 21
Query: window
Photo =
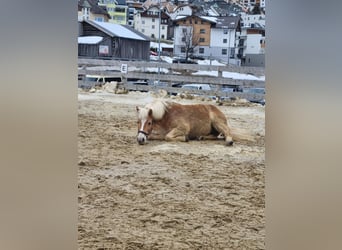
143 21
201 40
183 39
232 52
225 31
152 35
162 36
143 30
152 20
224 51
163 27
152 26
224 40
201 50
182 49
184 30
202 31
99 19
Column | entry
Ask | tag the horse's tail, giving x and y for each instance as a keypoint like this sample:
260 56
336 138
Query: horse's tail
241 135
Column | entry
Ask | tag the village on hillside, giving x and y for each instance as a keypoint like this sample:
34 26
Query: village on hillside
231 32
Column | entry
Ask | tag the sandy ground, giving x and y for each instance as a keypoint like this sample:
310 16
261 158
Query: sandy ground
167 195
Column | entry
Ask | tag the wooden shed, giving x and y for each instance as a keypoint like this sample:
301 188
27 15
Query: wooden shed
102 40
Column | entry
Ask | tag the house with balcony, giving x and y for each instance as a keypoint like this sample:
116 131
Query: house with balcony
117 9
251 46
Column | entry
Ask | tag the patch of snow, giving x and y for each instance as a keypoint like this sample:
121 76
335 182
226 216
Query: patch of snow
89 39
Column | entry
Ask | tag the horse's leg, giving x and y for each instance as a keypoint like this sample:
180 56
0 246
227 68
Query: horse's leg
211 137
220 124
177 134
156 137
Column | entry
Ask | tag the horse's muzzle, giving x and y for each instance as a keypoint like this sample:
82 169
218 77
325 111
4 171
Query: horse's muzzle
142 137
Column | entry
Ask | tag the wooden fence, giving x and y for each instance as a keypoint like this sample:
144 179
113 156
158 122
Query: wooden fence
170 74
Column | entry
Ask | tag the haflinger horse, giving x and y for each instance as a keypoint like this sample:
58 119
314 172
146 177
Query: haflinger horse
171 121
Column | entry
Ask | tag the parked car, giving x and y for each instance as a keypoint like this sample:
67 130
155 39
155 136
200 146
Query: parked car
153 53
196 86
259 92
183 60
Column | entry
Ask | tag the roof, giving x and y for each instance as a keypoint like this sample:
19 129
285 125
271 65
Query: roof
230 22
94 8
147 14
118 30
89 39
207 18
121 2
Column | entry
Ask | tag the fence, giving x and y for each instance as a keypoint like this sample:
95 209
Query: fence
172 74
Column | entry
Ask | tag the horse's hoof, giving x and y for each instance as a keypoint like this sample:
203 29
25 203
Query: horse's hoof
229 143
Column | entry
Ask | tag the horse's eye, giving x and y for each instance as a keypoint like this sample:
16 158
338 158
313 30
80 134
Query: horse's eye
149 123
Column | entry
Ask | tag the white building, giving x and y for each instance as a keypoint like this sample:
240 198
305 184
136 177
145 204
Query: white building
222 39
248 19
147 22
251 46
183 10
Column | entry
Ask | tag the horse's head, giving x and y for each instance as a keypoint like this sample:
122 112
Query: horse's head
145 124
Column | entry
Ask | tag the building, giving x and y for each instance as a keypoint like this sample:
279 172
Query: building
212 37
133 8
223 39
251 46
117 9
249 19
120 15
181 10
147 22
89 10
111 41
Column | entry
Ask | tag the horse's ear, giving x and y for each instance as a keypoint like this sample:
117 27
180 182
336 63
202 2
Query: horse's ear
137 108
150 112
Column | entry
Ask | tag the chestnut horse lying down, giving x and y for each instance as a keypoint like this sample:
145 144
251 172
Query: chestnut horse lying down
161 120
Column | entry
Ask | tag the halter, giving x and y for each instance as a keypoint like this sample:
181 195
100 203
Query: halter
143 132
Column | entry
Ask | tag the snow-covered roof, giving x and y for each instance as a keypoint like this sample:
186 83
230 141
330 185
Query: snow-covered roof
179 17
209 18
89 39
118 30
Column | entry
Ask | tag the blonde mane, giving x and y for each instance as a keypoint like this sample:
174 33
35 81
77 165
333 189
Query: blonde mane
159 107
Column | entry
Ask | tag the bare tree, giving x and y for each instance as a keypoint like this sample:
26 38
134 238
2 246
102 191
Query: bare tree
190 41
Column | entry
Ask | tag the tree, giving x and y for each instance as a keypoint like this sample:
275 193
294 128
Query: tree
190 41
